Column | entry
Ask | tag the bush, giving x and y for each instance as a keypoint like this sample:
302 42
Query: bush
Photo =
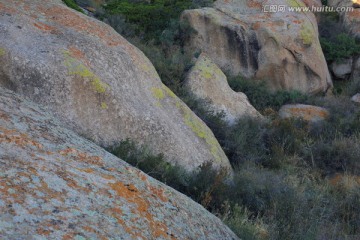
153 165
151 18
343 46
72 4
261 97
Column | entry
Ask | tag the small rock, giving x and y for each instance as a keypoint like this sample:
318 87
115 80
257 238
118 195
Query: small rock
356 98
306 112
342 69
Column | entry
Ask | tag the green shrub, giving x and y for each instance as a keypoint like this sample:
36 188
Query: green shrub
261 97
153 165
343 46
72 4
150 17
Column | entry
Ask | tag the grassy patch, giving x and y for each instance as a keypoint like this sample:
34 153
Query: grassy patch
72 4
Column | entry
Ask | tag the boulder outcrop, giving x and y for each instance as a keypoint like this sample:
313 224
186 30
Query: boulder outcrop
208 83
356 98
342 69
305 112
55 184
350 18
245 38
97 83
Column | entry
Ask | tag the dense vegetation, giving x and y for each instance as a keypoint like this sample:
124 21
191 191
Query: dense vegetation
342 47
292 179
336 44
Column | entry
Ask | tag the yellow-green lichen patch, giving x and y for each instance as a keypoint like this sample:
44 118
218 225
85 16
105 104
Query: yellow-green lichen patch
201 130
205 68
2 52
104 105
306 34
169 92
78 69
158 93
196 125
99 86
295 3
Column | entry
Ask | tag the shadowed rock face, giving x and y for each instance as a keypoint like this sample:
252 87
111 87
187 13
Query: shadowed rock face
57 185
349 19
281 48
208 83
97 83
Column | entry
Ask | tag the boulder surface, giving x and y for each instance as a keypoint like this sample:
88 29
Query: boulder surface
55 184
305 112
342 69
349 18
281 48
97 83
208 83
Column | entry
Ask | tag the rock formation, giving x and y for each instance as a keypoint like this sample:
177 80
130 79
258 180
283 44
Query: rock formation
342 69
305 112
55 184
208 83
281 48
349 19
97 83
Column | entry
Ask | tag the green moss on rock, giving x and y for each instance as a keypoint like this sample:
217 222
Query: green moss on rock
2 52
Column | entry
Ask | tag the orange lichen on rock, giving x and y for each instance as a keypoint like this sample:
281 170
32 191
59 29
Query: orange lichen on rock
134 196
4 116
309 113
43 26
159 192
254 4
78 54
80 156
7 9
20 139
64 17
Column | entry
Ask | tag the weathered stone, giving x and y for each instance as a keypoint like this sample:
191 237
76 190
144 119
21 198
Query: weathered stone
342 69
305 112
350 18
55 184
208 83
281 48
356 98
97 83
355 74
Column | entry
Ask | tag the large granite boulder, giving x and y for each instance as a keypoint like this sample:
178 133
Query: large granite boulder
97 83
281 48
208 83
55 184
